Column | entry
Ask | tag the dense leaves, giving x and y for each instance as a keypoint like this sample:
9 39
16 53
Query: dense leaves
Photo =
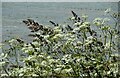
74 49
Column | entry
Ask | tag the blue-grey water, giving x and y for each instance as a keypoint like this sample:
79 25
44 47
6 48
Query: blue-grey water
14 12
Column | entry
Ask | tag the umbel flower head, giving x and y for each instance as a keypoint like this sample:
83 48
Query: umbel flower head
107 10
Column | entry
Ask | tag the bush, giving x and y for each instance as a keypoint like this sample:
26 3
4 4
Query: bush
71 50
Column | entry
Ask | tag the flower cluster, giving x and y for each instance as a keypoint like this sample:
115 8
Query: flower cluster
65 50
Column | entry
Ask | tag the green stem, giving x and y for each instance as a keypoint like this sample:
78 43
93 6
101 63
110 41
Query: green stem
105 38
16 57
72 65
110 38
84 35
5 70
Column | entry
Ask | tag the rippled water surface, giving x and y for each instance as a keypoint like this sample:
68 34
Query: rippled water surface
14 12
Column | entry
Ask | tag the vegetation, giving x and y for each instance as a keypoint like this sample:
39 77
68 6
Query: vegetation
78 49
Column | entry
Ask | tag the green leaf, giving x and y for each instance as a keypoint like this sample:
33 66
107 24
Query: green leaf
106 28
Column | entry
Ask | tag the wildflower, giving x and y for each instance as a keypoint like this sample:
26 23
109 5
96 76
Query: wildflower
76 29
115 15
57 70
57 29
67 58
116 36
105 28
98 23
21 74
48 57
3 55
87 23
40 56
97 19
108 45
43 63
84 16
3 75
84 25
69 70
1 44
26 51
46 36
35 43
87 42
108 11
58 35
79 43
90 37
12 40
31 57
51 60
72 18
30 48
78 60
60 66
35 75
77 24
106 19
2 63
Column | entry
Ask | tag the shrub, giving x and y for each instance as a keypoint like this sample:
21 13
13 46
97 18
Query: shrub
70 50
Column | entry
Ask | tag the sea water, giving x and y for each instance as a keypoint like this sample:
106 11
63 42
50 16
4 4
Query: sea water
13 13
